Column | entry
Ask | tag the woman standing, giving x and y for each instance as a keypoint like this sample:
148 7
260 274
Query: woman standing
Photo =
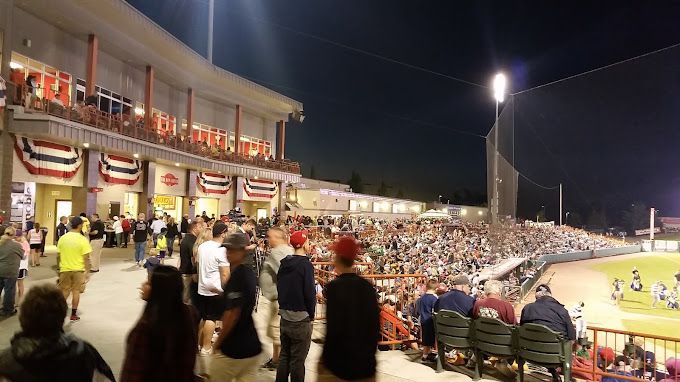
35 240
118 231
23 264
173 232
162 345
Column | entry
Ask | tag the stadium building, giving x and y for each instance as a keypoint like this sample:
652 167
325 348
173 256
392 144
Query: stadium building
108 113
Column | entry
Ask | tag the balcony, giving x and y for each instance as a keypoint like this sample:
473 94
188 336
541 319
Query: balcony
126 127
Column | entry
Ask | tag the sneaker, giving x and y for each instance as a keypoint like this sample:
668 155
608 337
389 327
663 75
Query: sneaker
75 317
8 314
205 352
271 365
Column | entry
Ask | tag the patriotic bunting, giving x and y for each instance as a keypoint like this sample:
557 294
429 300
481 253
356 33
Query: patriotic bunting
47 158
119 170
213 183
256 188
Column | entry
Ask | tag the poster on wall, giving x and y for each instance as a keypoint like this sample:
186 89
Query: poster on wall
119 170
23 202
211 183
47 158
170 181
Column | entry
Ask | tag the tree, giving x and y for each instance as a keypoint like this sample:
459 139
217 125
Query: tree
400 194
574 220
597 219
355 183
312 173
636 217
382 190
540 215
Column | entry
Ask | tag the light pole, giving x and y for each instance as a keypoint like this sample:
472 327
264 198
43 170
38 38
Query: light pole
499 83
211 20
440 199
566 218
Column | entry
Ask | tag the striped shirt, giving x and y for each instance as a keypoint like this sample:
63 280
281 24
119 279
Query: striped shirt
656 289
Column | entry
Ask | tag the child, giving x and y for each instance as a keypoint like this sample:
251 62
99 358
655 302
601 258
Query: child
151 263
162 245
425 309
23 263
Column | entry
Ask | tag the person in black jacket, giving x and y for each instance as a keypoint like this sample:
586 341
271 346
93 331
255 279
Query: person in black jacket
297 304
458 299
352 320
42 351
549 312
62 228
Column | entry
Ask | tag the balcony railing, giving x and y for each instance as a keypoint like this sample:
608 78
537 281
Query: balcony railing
126 125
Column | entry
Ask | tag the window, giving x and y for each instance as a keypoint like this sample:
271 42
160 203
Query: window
163 122
107 100
251 145
206 133
46 81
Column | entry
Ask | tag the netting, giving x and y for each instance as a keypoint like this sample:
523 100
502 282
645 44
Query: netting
610 136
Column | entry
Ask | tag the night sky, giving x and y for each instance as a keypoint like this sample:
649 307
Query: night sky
611 137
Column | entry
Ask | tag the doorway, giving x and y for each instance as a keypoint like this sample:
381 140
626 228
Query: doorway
63 208
114 210
261 213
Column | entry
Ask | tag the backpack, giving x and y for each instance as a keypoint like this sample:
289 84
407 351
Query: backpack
125 225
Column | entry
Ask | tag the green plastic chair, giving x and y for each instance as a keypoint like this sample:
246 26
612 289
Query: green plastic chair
453 331
544 347
495 338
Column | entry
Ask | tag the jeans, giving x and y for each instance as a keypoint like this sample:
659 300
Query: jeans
8 285
296 338
119 239
171 244
139 250
126 238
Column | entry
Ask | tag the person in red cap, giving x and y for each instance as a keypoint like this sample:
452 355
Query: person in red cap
297 304
352 320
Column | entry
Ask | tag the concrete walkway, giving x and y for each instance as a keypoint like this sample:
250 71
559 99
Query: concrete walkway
111 306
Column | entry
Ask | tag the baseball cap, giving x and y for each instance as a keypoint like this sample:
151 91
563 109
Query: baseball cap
543 288
346 247
76 221
461 280
236 240
219 228
298 239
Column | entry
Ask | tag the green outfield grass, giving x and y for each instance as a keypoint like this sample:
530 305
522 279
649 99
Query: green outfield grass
652 267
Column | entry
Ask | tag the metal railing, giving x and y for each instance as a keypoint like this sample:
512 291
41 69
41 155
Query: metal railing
647 354
127 125
529 283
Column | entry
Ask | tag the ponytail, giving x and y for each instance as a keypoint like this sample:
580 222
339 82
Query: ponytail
7 235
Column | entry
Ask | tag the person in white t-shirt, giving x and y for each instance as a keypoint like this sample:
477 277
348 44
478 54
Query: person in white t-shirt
213 273
156 226
118 230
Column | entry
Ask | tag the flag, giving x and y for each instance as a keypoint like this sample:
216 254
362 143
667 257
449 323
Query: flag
119 170
47 158
256 188
213 183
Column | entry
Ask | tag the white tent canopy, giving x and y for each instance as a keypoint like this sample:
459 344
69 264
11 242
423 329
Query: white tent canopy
434 214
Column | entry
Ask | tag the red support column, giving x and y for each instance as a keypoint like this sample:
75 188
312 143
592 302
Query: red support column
190 112
148 98
91 74
281 144
237 130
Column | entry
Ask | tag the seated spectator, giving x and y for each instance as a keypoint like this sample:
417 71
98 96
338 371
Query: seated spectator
620 366
458 299
673 369
493 305
42 351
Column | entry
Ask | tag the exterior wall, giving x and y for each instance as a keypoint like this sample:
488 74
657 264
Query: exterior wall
117 76
315 184
45 203
49 44
584 255
115 193
213 114
225 201
252 125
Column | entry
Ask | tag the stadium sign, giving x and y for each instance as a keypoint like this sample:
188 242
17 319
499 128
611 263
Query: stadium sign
640 232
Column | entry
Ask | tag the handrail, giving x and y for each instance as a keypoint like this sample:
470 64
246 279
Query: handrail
125 125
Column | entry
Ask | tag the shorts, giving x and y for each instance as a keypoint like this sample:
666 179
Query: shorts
274 327
210 308
22 274
35 246
71 280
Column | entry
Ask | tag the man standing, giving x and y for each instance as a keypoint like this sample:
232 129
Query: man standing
62 228
212 275
493 306
297 304
140 235
184 225
186 259
237 343
247 228
279 250
86 225
458 299
73 260
96 241
11 254
351 303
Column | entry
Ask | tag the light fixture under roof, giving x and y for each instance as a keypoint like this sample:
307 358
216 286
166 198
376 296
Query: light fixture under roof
177 164
135 155
86 145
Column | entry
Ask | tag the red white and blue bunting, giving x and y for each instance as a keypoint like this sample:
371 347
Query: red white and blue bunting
256 188
47 158
119 170
213 183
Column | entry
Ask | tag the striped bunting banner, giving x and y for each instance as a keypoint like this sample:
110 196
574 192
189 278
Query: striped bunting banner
119 170
213 183
47 158
256 188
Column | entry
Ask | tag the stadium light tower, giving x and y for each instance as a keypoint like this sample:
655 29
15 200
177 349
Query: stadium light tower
499 83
